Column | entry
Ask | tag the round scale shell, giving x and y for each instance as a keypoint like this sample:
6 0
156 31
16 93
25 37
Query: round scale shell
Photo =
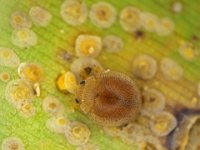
18 91
88 45
103 14
144 67
19 20
112 43
8 58
40 16
74 12
162 123
153 101
150 21
77 133
166 27
130 19
58 124
52 105
24 38
31 72
171 69
177 6
133 133
12 143
188 51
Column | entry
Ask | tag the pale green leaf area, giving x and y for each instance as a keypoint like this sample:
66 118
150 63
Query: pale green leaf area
33 131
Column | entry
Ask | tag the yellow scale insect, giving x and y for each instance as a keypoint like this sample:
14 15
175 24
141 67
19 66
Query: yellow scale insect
88 46
66 82
31 72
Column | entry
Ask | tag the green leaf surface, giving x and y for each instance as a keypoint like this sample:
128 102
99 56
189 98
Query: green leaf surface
59 35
